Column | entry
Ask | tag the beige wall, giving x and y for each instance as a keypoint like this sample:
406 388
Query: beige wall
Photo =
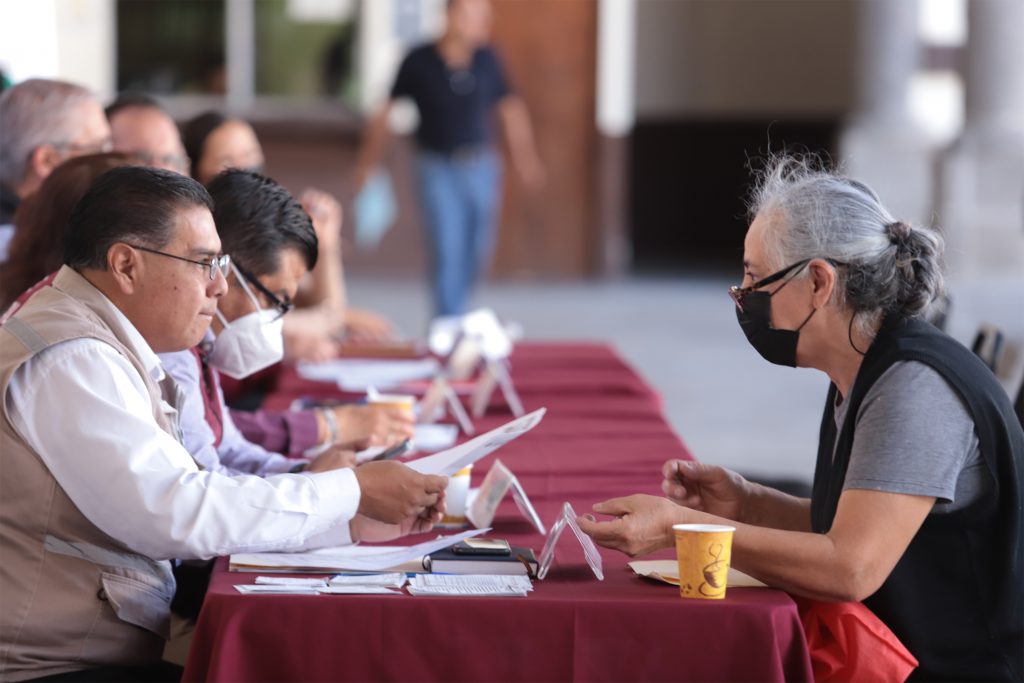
745 57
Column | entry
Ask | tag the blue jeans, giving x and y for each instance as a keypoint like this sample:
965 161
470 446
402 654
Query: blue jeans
459 196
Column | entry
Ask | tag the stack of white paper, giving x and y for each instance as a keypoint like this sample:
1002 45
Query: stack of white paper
388 580
358 375
470 585
348 558
364 584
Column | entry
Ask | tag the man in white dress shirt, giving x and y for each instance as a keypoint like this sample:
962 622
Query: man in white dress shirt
97 492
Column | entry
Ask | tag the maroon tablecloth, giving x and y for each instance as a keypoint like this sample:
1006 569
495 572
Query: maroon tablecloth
603 436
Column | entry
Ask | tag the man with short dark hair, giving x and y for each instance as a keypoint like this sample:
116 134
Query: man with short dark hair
97 491
142 129
273 247
43 123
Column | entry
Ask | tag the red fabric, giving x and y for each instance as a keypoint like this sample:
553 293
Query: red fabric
848 642
212 411
26 295
592 445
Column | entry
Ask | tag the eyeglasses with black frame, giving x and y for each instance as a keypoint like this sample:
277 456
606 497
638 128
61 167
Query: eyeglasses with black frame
737 293
282 306
214 265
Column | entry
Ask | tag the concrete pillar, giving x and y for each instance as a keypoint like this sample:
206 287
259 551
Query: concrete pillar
881 145
616 116
980 203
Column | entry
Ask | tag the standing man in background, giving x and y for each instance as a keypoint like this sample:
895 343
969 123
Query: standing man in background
458 84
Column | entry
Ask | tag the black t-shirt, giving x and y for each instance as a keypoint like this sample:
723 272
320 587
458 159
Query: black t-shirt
8 204
455 105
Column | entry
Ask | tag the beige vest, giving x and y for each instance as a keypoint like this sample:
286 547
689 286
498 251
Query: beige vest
71 597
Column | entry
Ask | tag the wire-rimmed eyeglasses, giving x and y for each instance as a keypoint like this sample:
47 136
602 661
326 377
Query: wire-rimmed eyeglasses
214 265
282 306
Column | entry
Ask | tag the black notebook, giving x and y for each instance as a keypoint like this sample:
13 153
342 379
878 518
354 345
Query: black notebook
518 561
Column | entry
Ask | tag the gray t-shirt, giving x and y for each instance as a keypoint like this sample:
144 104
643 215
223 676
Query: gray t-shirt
914 435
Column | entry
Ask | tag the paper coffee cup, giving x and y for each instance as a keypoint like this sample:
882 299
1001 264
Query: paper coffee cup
704 552
402 401
455 497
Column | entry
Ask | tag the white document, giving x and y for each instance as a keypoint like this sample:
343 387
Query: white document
358 375
349 558
290 581
434 437
547 555
388 580
484 504
470 585
357 590
253 589
451 461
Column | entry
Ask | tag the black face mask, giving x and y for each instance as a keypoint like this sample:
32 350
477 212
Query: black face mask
755 318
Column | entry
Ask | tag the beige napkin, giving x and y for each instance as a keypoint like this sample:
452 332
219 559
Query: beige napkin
668 571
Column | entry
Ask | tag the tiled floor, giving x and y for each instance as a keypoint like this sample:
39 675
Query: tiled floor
729 405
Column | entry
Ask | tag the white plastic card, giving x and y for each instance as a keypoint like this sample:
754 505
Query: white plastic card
491 492
495 374
464 359
547 555
439 396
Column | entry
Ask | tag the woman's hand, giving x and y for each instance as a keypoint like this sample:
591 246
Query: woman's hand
707 488
643 524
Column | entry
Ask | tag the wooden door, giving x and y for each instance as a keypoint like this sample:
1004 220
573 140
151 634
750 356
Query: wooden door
549 48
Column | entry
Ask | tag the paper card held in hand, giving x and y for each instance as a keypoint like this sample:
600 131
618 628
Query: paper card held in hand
547 555
451 461
494 487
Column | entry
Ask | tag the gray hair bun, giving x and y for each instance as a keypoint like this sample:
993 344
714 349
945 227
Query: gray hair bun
893 268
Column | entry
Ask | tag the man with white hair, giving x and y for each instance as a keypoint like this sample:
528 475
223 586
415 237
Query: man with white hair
45 122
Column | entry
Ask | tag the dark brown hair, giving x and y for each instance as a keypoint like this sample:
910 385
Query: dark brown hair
37 248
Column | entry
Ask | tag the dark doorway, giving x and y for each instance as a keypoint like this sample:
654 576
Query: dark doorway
689 181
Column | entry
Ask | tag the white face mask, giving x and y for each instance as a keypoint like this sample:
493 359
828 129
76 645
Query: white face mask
250 343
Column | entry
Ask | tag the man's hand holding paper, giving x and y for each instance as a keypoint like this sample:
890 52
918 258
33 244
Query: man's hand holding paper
391 493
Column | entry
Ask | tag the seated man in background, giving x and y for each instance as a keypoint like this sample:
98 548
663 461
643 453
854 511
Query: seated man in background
142 129
215 143
42 123
97 491
272 246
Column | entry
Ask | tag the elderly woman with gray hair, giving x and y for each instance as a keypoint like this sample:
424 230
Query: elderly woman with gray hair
916 505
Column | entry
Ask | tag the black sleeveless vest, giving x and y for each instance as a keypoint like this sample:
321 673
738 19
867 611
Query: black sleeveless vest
955 599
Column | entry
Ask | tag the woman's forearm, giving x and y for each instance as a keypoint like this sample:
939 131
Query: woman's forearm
768 507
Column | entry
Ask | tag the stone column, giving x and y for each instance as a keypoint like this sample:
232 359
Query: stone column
980 203
616 116
881 145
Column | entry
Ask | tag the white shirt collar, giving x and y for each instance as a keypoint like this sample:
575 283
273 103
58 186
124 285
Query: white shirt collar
146 354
